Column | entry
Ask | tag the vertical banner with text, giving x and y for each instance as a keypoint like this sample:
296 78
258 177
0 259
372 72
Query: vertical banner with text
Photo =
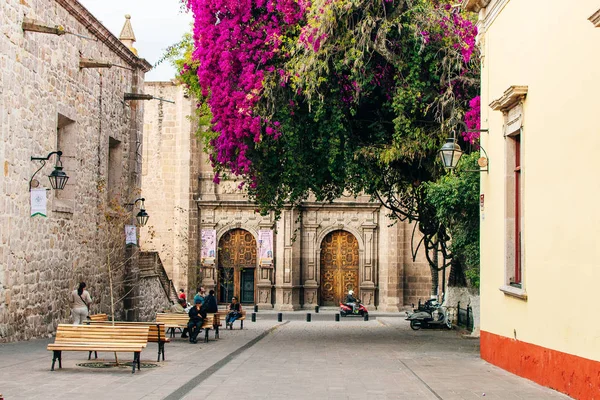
265 247
209 247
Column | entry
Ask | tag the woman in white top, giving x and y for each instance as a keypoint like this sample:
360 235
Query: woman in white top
80 303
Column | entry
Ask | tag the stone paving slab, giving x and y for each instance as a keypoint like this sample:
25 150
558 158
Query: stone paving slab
381 359
25 368
376 359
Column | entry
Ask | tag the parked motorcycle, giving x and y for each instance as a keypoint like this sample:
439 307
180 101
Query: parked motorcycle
359 310
429 315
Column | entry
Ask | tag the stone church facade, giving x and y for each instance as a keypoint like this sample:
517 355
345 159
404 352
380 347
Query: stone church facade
54 96
319 250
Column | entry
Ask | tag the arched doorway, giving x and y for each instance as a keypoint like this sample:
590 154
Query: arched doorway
237 263
339 267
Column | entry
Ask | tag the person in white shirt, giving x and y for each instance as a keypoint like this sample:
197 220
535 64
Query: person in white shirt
80 304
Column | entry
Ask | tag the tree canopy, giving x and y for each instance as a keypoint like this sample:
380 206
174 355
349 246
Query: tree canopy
336 96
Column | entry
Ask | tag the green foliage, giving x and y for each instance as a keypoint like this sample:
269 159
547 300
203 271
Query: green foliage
455 198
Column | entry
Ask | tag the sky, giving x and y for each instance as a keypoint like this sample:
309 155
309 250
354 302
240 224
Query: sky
157 24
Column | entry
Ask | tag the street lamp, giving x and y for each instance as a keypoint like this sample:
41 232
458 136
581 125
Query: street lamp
58 178
142 216
450 153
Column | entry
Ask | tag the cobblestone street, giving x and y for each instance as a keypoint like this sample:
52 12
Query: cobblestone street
378 359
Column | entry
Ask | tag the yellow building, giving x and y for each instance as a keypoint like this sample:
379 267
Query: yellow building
540 220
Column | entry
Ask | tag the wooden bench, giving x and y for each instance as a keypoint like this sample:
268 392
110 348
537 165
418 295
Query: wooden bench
99 338
156 333
173 321
241 318
98 317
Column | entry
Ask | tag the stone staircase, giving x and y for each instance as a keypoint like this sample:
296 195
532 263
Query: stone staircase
151 266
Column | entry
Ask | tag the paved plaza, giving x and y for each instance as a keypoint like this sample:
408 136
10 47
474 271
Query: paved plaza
377 359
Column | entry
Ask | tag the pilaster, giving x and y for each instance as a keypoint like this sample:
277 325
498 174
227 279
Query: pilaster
287 260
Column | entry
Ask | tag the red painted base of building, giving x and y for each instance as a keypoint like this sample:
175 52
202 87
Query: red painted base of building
575 376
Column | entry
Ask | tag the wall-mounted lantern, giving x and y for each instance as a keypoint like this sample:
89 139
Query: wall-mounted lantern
142 216
450 153
58 178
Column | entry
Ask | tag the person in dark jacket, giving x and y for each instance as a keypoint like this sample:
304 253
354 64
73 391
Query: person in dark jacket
197 316
210 303
351 301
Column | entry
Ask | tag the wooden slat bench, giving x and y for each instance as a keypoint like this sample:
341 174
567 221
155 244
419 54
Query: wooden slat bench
99 338
172 321
156 333
242 318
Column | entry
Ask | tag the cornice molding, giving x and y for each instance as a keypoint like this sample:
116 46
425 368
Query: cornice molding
595 19
491 12
474 5
512 96
91 23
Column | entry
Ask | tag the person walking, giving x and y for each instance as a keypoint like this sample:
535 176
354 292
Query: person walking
80 301
235 310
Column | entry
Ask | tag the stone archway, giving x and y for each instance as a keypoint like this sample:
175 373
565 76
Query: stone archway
339 267
236 267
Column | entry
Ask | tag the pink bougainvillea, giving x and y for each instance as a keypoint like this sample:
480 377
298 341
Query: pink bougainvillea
235 43
473 120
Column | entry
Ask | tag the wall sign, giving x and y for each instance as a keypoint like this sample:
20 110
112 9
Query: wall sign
208 251
265 248
130 235
38 202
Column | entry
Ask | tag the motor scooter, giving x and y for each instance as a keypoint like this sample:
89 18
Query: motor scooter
359 310
429 315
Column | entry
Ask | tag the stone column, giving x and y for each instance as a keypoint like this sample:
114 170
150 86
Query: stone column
265 276
207 278
391 265
309 255
287 262
368 277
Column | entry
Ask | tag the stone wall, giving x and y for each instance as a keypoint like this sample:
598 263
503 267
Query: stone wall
466 296
154 298
169 174
47 101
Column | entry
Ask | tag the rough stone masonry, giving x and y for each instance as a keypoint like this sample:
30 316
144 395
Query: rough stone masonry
48 102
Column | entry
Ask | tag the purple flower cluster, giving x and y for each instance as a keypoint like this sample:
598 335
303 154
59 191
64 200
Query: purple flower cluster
473 120
235 42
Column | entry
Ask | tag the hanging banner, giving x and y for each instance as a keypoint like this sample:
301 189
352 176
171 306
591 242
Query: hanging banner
130 235
209 247
265 247
38 202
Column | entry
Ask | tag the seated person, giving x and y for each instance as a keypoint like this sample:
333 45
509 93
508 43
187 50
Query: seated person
197 316
235 311
180 308
210 303
351 301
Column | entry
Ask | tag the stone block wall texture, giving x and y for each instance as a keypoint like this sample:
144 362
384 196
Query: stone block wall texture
41 88
153 299
170 172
